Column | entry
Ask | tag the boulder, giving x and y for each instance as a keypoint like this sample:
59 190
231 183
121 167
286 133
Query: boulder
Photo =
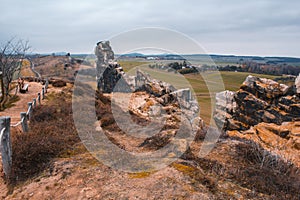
265 89
225 101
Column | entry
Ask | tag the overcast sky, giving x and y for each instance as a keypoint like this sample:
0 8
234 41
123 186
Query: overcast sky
261 27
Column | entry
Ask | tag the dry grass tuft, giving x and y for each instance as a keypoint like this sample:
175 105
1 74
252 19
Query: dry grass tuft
140 175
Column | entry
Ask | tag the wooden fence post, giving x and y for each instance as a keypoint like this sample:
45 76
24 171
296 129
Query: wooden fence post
39 98
33 103
29 110
24 122
5 145
46 85
43 93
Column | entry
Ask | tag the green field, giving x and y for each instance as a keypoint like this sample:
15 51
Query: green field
204 85
128 65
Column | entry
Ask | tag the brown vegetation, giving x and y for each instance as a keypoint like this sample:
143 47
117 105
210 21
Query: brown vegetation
51 132
59 83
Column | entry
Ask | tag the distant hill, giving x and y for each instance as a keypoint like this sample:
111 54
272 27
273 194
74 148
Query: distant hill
132 55
230 59
216 58
239 59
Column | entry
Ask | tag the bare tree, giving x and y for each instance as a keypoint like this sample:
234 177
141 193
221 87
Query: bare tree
12 54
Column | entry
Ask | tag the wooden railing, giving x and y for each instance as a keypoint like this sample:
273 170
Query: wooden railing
5 125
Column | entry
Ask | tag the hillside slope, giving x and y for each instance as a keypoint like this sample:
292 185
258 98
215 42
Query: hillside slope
233 170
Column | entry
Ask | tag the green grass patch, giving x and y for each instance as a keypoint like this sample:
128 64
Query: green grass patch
128 65
184 168
140 175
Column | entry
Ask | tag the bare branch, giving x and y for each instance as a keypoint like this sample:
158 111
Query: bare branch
12 54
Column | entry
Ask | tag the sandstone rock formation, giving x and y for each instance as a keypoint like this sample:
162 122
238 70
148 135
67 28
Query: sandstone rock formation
104 53
159 99
266 113
112 78
108 73
263 88
257 100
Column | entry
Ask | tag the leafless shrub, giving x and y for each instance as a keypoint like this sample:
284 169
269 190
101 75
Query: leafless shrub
255 154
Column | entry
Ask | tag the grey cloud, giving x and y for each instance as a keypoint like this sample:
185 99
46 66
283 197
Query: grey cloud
222 26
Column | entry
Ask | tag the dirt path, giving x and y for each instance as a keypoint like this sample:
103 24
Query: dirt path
22 104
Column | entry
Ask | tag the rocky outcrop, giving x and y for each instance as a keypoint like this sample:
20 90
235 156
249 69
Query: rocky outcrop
264 89
265 114
104 53
258 100
109 74
112 78
163 98
166 94
143 82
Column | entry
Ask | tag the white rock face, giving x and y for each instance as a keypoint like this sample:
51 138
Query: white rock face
297 83
250 80
225 106
225 101
265 85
